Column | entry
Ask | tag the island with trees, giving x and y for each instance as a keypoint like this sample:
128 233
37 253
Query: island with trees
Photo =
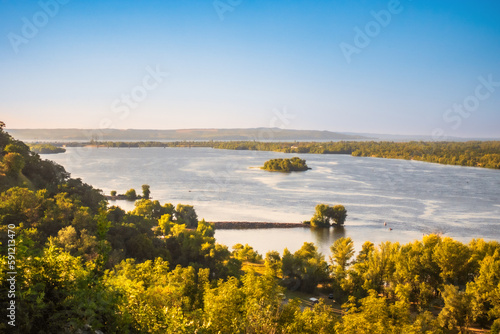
294 164
47 149
326 216
82 266
131 194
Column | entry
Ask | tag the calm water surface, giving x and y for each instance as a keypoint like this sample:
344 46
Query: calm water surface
414 198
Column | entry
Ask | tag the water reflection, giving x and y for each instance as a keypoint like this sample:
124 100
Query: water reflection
327 236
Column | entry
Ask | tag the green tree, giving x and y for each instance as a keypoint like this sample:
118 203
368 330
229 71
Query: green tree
131 195
452 257
321 216
325 214
149 209
13 163
145 191
273 263
457 312
374 316
115 214
224 311
305 269
317 320
58 294
339 214
262 305
205 229
342 252
165 224
485 290
67 239
246 253
185 214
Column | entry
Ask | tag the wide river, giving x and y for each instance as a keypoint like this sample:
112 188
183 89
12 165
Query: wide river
413 198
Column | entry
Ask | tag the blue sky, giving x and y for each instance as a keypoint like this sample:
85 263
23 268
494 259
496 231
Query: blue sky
411 67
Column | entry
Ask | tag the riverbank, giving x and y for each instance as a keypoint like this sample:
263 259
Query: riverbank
234 225
471 153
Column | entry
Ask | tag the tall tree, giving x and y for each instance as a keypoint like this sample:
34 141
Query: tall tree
145 191
457 311
342 252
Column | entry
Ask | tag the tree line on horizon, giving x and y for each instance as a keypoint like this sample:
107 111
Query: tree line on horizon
471 153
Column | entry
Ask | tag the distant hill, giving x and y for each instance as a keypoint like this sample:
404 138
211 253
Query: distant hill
405 138
258 134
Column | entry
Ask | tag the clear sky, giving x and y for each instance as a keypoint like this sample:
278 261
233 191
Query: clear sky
398 67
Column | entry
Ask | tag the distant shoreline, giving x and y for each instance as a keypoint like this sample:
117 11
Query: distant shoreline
235 225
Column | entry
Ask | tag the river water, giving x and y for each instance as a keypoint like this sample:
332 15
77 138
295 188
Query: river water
413 198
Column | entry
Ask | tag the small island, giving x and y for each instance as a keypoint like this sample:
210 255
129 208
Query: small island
294 164
46 149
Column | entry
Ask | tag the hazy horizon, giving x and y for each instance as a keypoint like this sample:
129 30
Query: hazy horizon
414 68
384 136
